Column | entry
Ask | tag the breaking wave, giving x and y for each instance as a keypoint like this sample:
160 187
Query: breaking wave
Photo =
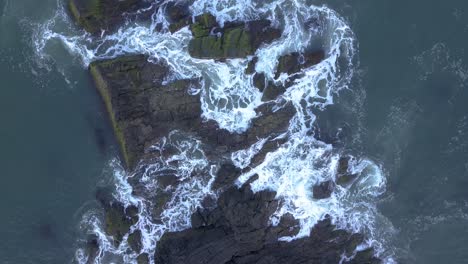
230 98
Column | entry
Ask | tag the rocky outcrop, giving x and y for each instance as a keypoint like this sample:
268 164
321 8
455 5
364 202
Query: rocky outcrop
234 40
237 231
98 15
143 108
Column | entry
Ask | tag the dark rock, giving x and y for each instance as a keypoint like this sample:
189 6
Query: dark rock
251 65
294 62
143 259
238 231
365 257
226 176
234 40
97 15
134 241
271 92
344 177
323 190
178 14
167 179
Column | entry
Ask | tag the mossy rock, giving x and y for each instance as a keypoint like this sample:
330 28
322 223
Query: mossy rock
235 40
97 15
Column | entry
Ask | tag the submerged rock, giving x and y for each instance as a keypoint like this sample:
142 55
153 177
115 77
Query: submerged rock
238 231
234 40
98 15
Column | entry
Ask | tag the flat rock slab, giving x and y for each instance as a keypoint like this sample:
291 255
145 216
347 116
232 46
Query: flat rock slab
97 15
141 105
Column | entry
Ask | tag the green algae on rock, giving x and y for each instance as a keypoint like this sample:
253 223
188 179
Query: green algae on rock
234 40
97 15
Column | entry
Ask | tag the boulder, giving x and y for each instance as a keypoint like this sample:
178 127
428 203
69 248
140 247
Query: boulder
295 62
98 15
234 40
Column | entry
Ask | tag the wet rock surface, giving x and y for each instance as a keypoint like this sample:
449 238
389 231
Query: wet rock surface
238 231
98 15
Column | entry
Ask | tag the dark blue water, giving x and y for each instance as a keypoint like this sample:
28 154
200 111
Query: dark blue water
54 144
411 117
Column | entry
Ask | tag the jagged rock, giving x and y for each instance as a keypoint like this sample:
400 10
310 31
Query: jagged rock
234 40
294 62
134 241
237 231
97 15
323 190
